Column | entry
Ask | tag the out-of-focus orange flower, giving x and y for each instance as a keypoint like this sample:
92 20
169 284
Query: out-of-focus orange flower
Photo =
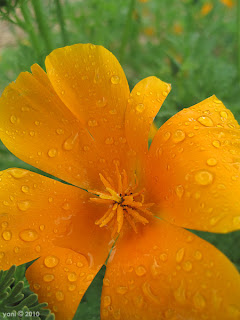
206 8
80 123
149 31
178 28
228 3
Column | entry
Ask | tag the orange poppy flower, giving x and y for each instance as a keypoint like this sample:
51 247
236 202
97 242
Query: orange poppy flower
80 123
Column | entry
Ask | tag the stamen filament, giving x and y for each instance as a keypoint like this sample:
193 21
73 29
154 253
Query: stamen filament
137 216
120 216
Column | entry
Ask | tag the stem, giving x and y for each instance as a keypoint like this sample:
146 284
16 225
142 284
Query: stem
42 26
126 31
238 37
29 28
61 22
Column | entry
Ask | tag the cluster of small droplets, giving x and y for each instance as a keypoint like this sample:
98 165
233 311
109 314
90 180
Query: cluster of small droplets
124 203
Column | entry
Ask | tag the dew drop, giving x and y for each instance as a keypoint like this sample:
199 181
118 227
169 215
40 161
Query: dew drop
140 271
187 266
148 293
25 189
59 295
52 153
138 301
205 121
179 294
109 141
51 261
23 205
106 282
122 290
7 235
42 227
36 286
179 191
70 142
79 264
92 123
106 301
16 249
140 107
199 301
216 144
166 136
72 287
48 277
72 276
180 254
4 224
163 257
66 206
13 119
236 221
2 254
115 79
60 131
38 248
197 255
211 162
178 136
224 114
28 235
203 178
18 173
101 102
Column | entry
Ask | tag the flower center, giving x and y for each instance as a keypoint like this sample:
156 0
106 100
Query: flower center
125 202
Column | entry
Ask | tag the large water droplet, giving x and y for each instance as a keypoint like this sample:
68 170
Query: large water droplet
115 79
216 144
140 107
107 301
212 162
140 271
122 290
179 191
28 235
52 153
180 254
148 293
23 205
199 301
224 114
203 178
59 295
72 276
70 142
48 277
51 261
205 121
18 173
178 136
13 119
7 235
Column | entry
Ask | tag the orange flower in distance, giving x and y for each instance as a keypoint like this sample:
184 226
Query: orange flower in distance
80 123
206 8
228 3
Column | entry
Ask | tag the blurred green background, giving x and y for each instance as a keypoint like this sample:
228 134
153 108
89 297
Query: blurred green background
192 44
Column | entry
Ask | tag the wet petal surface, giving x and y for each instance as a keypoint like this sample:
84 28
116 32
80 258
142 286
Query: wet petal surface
193 168
165 272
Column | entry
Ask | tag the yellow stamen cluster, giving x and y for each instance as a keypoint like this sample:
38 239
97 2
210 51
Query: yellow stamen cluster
124 202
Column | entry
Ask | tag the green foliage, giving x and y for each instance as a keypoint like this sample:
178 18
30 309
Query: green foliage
16 300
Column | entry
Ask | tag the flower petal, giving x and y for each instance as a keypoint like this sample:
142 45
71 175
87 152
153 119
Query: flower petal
36 212
91 83
60 278
37 127
192 170
145 101
165 272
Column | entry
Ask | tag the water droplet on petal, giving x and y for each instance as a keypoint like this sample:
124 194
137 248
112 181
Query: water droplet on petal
72 287
48 277
199 301
122 290
16 249
69 143
106 282
13 119
72 276
102 102
163 257
166 136
23 205
216 144
187 266
224 114
92 123
42 227
203 178
51 261
59 295
140 271
106 301
25 189
179 191
60 131
4 224
115 79
140 107
18 173
179 294
178 136
52 153
180 254
7 235
205 121
28 235
212 162
197 255
2 254
109 141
